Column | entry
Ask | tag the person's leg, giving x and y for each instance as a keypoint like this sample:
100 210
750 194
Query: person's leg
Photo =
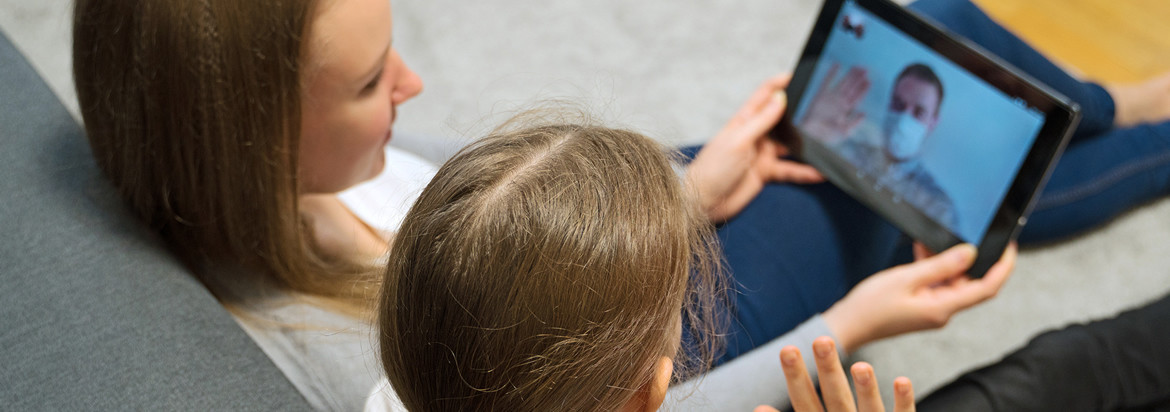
1115 364
793 252
968 20
1100 178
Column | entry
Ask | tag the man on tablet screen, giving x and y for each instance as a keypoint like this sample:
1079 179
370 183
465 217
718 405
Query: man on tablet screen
890 153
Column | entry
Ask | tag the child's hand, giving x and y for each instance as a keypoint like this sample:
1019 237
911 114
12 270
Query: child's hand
834 385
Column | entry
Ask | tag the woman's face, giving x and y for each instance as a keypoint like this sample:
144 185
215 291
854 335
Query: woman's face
354 80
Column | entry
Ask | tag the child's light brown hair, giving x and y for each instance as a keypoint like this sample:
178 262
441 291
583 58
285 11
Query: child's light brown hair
546 268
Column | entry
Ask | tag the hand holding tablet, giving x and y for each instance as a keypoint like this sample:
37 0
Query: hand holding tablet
735 165
944 141
912 297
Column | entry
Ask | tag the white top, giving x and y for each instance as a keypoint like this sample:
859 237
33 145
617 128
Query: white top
330 358
383 399
383 201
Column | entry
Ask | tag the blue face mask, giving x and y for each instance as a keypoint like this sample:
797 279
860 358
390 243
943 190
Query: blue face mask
904 135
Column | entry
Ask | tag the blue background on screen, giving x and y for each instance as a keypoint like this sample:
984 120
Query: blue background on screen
982 134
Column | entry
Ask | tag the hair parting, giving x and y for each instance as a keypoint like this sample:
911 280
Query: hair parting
549 266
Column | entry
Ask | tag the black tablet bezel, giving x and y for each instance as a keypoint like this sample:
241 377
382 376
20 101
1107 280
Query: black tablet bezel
1061 116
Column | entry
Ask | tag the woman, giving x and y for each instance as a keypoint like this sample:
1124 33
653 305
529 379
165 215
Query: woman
229 128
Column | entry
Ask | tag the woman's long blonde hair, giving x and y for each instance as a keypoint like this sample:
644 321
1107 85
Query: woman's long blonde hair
545 269
193 111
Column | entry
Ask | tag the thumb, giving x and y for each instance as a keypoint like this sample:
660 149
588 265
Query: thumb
760 122
943 266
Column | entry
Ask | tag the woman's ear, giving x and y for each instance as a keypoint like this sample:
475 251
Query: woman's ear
651 395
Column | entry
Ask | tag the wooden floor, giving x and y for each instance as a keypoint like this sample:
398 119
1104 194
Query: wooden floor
1104 40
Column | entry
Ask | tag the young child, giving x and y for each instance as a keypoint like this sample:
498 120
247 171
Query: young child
550 268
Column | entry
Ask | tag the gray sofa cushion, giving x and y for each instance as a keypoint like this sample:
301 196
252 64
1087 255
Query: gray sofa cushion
94 313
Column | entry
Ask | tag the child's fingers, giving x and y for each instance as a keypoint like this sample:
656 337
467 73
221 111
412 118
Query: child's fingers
800 387
765 408
834 385
903 395
869 396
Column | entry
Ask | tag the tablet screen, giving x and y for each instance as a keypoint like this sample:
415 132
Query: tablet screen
923 131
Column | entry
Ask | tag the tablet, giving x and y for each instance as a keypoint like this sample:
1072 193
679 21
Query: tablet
944 140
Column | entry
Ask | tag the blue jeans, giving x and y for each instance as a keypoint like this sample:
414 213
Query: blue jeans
797 249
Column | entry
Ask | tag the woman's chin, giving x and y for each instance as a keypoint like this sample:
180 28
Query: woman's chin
376 168
339 184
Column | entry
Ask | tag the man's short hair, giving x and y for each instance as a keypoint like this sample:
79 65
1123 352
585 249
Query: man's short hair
925 73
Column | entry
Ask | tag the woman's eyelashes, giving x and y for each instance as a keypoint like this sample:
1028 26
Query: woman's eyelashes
373 84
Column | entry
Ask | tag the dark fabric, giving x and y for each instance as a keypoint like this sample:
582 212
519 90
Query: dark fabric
1118 364
798 249
94 313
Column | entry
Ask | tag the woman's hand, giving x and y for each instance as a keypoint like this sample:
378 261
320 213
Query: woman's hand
733 167
834 385
916 296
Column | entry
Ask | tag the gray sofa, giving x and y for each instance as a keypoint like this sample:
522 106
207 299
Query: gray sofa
95 314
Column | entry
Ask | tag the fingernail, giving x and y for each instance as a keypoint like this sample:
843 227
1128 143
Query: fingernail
862 378
964 253
778 98
822 350
788 358
902 386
